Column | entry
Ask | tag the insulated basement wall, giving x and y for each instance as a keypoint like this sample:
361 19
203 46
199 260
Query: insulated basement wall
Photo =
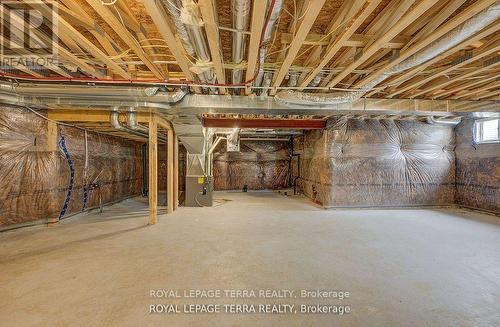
261 165
364 163
478 170
35 178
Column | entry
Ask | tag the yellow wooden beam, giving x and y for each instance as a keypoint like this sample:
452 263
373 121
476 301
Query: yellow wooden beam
153 172
176 172
124 34
409 17
340 39
257 24
207 9
170 170
160 18
446 28
312 11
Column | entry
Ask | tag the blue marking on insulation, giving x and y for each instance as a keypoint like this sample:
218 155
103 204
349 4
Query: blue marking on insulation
85 197
62 145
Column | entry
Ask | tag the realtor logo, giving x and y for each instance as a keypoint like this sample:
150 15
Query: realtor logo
28 34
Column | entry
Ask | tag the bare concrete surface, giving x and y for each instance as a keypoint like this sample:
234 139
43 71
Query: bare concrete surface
401 267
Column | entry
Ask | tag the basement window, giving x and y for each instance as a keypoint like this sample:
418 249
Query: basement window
486 131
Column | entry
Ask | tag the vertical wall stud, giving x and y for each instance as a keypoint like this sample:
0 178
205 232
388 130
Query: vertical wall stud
153 171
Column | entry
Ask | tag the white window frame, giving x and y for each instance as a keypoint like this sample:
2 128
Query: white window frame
477 131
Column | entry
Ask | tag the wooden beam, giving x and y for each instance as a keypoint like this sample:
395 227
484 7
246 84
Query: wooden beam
482 89
414 71
257 24
444 13
90 115
409 17
160 19
153 171
469 85
170 171
481 53
176 172
312 11
341 38
65 27
207 9
51 135
124 34
356 40
462 77
436 34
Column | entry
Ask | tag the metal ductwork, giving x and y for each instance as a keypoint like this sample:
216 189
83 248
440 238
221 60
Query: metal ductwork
451 39
443 121
190 16
272 20
132 126
241 15
106 93
172 8
261 78
115 122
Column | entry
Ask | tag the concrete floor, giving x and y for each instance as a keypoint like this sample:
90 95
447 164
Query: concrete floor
401 267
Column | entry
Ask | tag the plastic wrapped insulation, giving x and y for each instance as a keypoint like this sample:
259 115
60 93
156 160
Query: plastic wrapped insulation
365 163
451 39
260 165
36 175
172 8
478 170
241 15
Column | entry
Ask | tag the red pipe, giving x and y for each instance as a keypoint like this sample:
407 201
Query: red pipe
125 81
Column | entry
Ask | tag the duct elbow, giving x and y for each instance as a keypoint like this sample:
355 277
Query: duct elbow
443 121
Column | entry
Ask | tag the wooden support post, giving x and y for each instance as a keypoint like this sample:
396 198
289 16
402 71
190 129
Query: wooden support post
170 171
153 171
52 147
176 172
51 135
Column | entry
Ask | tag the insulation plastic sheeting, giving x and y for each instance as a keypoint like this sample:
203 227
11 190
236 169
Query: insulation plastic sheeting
478 170
260 165
364 163
35 180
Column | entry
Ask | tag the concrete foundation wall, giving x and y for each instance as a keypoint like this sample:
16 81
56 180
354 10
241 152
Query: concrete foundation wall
478 171
35 179
363 163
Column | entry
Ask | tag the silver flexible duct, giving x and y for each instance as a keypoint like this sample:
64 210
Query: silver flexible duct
173 8
278 4
443 121
454 37
272 20
241 15
115 122
191 18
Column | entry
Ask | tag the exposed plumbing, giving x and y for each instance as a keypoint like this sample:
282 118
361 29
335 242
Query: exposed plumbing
451 39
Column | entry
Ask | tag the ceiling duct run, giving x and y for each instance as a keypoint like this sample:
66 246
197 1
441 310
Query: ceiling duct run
451 39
